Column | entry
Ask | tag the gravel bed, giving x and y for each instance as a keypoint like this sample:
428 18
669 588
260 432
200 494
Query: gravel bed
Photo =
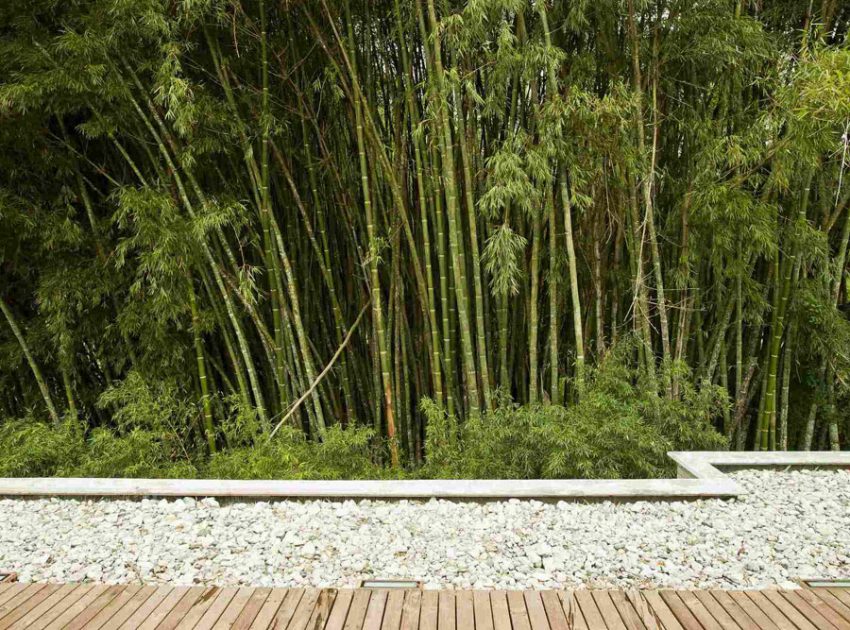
791 525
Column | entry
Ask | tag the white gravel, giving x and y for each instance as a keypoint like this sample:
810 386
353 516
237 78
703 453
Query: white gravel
791 525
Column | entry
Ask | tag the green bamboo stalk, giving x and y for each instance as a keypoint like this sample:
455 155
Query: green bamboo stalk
475 257
533 312
229 307
374 276
787 359
209 428
647 182
641 299
36 370
413 114
767 423
327 276
552 91
458 258
554 384
445 294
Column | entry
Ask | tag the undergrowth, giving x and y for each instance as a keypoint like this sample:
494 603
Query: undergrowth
619 428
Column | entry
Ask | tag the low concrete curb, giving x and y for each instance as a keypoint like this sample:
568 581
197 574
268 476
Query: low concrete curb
700 477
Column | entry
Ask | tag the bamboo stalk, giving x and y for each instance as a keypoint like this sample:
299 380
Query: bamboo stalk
36 370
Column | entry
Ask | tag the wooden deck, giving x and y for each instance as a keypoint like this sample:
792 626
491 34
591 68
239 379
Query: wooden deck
98 607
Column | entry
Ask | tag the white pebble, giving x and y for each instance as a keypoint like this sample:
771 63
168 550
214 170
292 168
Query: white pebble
791 525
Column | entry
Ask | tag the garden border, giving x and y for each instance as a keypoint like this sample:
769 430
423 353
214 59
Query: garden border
699 472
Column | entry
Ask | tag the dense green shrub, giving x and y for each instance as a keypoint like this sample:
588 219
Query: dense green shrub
344 454
619 429
138 453
35 449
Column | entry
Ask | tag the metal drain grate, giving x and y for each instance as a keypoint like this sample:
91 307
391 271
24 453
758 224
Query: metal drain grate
407 584
827 583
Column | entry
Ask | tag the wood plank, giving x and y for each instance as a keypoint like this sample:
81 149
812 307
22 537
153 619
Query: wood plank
823 608
717 612
146 609
233 610
89 612
831 600
287 609
336 620
464 613
572 610
518 611
554 610
589 609
13 615
357 611
820 614
165 606
304 610
789 610
249 613
630 617
109 611
608 610
499 607
841 594
270 607
755 613
645 612
12 590
410 611
699 610
446 612
55 598
682 612
322 609
536 611
429 613
483 610
84 591
780 621
192 597
126 611
734 610
661 610
375 610
213 612
89 607
392 615
19 598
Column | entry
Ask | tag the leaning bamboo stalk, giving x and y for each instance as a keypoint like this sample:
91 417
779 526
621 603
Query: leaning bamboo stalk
36 370
327 276
229 307
321 375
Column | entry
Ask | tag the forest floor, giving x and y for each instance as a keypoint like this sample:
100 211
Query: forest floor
791 525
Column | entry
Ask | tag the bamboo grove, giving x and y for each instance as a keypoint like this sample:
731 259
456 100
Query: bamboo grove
323 212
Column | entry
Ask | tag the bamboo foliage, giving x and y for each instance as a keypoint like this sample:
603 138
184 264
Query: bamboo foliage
514 188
